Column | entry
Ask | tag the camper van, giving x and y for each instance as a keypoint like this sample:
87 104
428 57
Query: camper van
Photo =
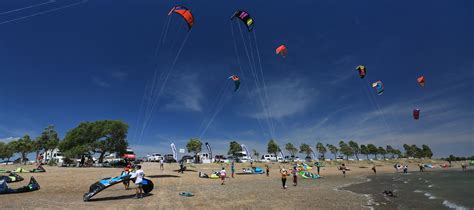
54 155
268 158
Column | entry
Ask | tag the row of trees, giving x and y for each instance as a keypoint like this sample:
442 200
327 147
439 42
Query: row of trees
48 140
350 149
89 138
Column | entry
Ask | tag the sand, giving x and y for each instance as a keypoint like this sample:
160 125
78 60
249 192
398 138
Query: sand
64 188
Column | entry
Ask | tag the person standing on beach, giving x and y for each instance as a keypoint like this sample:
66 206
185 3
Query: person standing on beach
139 174
162 167
232 169
181 167
267 169
318 166
374 169
421 167
295 175
405 169
284 174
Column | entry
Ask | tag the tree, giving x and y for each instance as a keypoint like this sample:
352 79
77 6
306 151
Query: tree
48 140
333 149
390 151
234 148
408 150
427 151
273 147
355 148
321 149
345 149
305 149
397 152
24 146
418 152
364 150
255 153
7 150
291 149
194 145
101 137
372 150
382 151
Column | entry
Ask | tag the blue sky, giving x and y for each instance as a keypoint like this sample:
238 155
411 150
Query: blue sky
68 61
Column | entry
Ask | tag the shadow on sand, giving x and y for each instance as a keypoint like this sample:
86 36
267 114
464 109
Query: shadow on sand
188 170
118 197
163 176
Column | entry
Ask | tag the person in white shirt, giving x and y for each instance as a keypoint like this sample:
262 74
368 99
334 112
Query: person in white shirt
139 174
222 174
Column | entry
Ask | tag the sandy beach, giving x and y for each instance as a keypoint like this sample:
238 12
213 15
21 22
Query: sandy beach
64 187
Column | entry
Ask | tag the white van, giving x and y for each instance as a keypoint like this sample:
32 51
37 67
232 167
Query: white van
268 158
155 157
55 155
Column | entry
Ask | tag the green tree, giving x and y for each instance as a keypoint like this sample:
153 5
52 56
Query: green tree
345 149
390 151
99 137
194 145
321 149
48 140
408 150
255 153
305 149
382 151
355 148
397 152
24 146
427 151
291 149
418 152
333 149
365 151
234 148
372 150
273 147
7 150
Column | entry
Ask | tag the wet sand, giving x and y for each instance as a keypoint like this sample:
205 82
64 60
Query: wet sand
64 187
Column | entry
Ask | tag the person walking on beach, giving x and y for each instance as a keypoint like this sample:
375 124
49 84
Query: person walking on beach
421 167
139 174
181 166
374 169
284 174
405 169
267 169
463 166
162 167
295 176
232 169
222 175
343 168
318 166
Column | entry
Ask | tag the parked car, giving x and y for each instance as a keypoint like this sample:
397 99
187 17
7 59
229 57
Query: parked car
155 157
308 159
220 159
169 158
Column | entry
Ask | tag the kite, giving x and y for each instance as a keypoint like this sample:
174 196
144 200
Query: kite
245 17
185 13
421 81
378 87
12 177
416 114
32 186
281 50
236 80
107 182
362 71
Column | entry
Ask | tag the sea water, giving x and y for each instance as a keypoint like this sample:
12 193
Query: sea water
436 189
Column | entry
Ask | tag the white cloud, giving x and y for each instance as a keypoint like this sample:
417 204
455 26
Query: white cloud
9 139
285 98
100 82
185 93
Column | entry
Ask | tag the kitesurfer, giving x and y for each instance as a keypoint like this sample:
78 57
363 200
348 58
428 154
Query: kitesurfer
344 168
